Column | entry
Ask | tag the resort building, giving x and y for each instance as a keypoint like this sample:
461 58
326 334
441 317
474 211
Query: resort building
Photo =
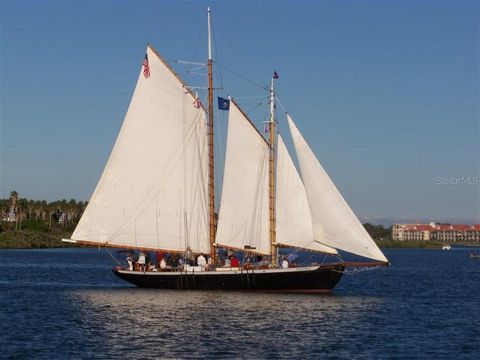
441 232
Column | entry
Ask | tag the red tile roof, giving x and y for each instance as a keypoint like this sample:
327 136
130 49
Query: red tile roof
418 227
443 227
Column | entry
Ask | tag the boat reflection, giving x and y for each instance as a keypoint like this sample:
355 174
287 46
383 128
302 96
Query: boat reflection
213 323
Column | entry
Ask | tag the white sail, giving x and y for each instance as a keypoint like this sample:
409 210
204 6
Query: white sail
294 220
153 191
330 212
243 218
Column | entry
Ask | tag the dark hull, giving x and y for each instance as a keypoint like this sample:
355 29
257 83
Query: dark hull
310 279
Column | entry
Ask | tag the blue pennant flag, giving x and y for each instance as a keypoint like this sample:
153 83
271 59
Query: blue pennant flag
223 104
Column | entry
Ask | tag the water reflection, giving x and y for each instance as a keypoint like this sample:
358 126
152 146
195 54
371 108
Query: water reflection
62 311
233 324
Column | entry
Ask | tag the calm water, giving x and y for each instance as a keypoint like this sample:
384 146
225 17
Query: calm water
67 303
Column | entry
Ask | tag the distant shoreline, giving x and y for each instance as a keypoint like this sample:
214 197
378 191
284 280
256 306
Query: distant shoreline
33 239
395 244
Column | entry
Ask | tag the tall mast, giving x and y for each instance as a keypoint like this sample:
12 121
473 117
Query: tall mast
211 168
271 182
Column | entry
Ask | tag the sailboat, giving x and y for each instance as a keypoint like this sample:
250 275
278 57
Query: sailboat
157 193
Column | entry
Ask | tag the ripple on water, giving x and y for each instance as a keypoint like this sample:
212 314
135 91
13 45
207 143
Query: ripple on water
425 306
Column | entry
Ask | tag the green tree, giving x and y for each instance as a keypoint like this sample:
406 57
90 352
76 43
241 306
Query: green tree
377 232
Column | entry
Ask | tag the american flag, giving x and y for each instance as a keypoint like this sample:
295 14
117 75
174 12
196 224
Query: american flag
146 67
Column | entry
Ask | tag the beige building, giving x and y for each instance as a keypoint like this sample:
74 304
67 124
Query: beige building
442 232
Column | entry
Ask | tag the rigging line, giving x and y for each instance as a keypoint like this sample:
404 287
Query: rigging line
200 35
308 260
324 258
250 97
195 73
251 68
253 108
185 73
264 87
281 104
200 67
113 257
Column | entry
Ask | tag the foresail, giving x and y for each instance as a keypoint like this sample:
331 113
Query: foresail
331 214
243 218
294 220
153 191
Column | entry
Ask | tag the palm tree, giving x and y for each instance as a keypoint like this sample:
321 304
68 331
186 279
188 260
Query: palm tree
13 206
72 204
43 208
13 197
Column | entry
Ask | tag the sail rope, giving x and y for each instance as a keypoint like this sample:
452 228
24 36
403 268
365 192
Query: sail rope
187 73
250 97
243 59
308 260
113 257
253 108
264 87
281 104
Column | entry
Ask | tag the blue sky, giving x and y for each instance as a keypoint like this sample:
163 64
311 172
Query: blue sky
386 92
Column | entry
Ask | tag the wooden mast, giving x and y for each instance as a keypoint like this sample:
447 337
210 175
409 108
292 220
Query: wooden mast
211 164
271 182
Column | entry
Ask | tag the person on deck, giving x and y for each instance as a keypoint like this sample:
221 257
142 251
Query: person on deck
234 261
141 260
227 263
169 260
130 260
285 263
189 257
159 255
201 261
175 261
147 260
181 262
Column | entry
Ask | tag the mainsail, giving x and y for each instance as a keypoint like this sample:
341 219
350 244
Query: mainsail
330 213
153 191
294 220
243 218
